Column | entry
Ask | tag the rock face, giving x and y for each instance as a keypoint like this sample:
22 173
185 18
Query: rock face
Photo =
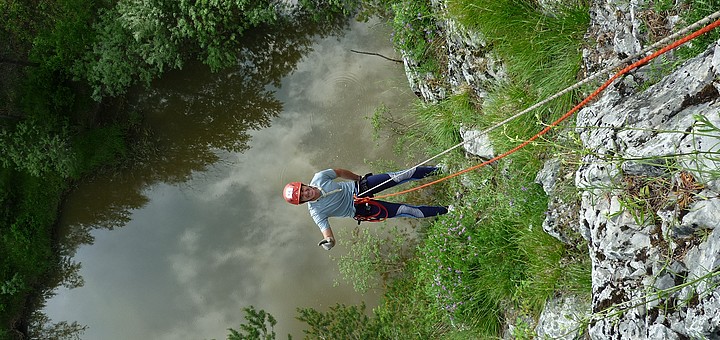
638 261
649 202
652 264
470 64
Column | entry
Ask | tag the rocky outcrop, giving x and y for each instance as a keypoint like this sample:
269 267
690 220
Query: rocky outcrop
470 63
649 202
648 170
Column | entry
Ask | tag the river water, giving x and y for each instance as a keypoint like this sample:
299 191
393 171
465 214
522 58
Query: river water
185 239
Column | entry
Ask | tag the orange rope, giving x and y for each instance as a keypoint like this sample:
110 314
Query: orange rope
572 111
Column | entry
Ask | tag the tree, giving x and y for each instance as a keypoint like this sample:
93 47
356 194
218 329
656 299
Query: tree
260 325
35 147
340 322
143 39
43 328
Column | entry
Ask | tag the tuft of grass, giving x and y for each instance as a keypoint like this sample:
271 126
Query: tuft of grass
698 10
539 49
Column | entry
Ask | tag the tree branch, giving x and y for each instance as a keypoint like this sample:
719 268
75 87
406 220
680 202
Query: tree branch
377 54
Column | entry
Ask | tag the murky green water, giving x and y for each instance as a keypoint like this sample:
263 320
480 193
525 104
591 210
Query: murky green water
188 237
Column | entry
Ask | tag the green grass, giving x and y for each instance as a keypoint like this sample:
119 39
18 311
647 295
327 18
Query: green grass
697 11
541 52
491 252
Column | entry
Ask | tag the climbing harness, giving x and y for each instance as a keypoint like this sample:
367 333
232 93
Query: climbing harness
577 107
366 204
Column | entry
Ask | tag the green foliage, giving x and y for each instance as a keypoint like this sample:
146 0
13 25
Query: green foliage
18 20
139 40
478 258
260 326
65 37
373 256
698 10
29 207
415 33
115 62
49 151
216 26
12 286
39 143
340 322
423 321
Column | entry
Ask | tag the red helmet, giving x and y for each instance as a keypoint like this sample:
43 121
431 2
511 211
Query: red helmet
291 193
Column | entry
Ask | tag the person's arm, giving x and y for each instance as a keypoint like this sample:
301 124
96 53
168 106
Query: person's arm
328 240
328 233
347 174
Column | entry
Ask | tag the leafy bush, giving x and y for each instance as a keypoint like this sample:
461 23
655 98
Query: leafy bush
48 153
374 255
415 32
138 41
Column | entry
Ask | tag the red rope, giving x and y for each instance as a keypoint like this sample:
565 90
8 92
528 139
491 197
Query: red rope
572 111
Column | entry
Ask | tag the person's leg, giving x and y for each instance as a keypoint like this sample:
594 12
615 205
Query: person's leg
380 182
402 210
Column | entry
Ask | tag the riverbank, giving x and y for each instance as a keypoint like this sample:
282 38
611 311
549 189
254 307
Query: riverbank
34 263
66 69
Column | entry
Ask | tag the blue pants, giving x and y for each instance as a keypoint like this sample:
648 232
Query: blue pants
378 183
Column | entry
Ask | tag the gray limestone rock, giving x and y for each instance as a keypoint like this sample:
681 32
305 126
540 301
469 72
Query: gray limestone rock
477 143
563 318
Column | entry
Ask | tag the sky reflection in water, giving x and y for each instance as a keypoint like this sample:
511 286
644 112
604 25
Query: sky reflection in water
198 252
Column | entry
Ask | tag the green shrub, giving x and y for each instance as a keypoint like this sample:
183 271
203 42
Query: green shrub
415 32
375 255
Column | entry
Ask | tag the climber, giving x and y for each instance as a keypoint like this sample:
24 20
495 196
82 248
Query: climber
328 198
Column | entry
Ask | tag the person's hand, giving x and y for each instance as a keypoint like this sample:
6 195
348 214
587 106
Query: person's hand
327 243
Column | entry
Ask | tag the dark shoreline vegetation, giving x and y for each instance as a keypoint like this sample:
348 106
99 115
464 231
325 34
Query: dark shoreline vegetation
67 69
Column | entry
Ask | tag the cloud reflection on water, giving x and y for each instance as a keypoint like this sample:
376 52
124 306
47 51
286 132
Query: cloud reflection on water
198 252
